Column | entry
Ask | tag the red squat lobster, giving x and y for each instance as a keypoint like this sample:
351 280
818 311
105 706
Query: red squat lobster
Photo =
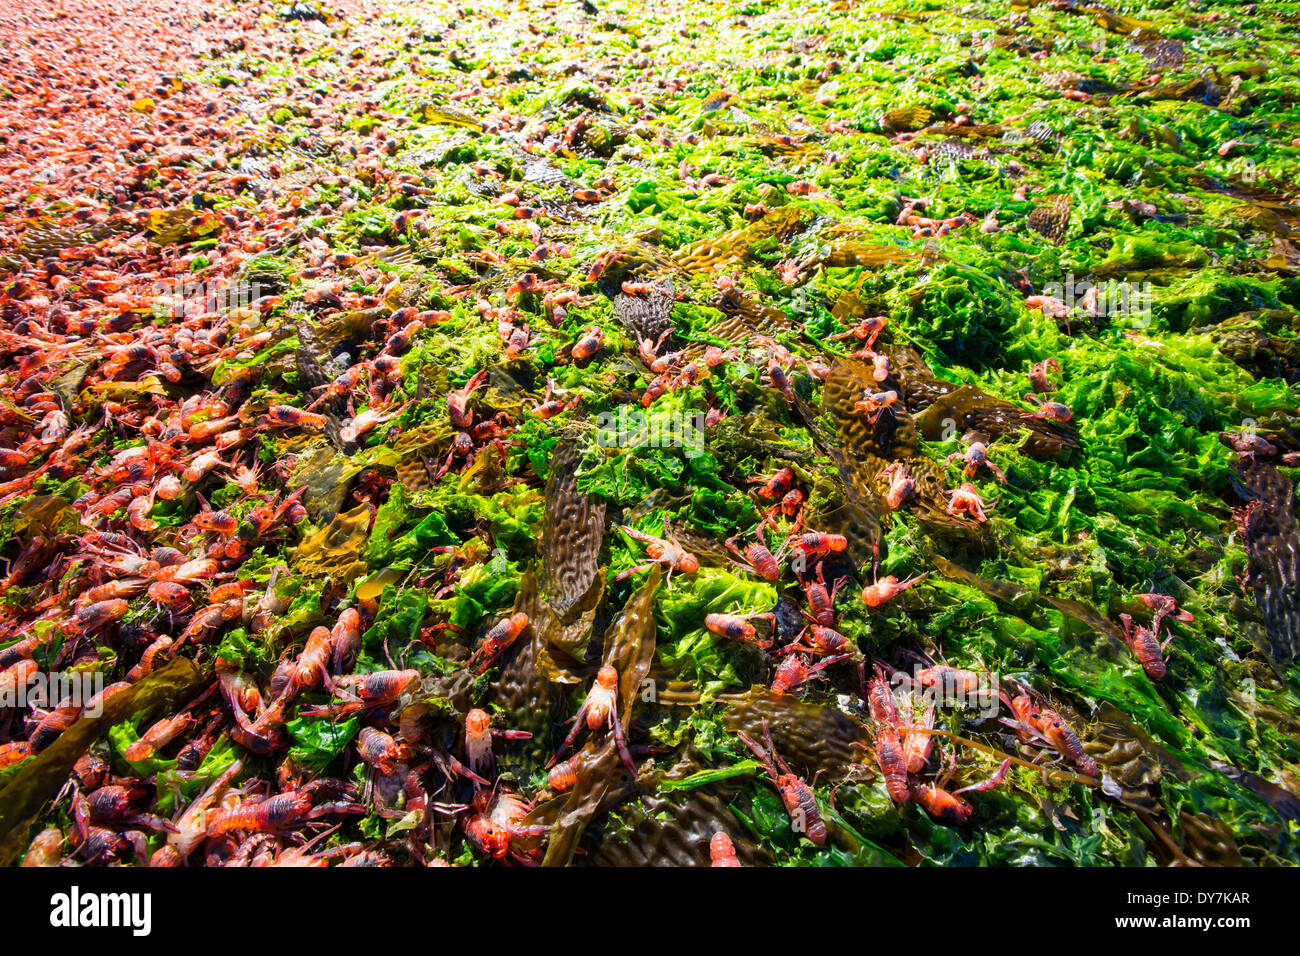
496 819
975 456
601 710
1052 411
498 640
1038 375
967 500
1041 726
1146 646
758 556
458 400
952 808
799 799
887 588
478 740
868 330
722 852
1164 606
901 484
665 551
550 406
734 627
794 671
821 599
815 544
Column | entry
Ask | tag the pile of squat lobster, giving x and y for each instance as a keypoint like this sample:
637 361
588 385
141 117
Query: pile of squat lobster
903 742
216 431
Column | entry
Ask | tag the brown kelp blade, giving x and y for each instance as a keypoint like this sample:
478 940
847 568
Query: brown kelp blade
602 780
572 531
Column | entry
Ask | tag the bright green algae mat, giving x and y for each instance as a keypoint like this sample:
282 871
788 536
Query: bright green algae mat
762 157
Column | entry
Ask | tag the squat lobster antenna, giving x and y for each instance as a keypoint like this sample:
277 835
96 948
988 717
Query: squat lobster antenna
1025 688
759 752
